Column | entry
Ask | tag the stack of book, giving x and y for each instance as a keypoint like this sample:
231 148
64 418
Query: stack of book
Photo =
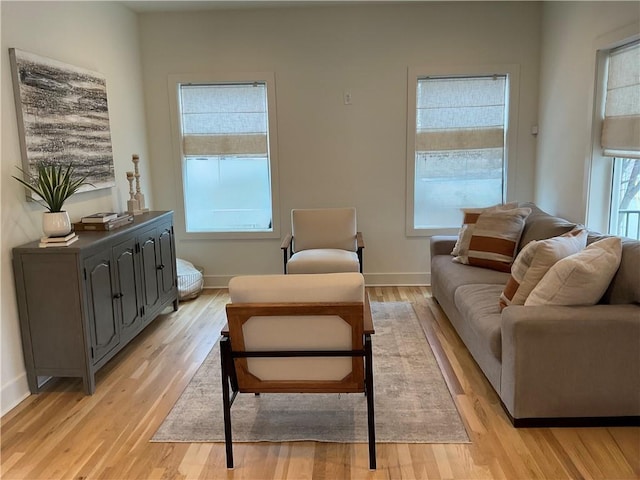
58 241
103 221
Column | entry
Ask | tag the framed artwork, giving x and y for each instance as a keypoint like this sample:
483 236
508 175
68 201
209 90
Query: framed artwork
62 117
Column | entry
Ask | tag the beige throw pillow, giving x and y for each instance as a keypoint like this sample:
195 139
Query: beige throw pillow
533 262
468 222
581 278
495 238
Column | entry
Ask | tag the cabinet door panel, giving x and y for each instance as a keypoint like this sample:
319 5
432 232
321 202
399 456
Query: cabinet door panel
127 285
102 314
148 255
167 262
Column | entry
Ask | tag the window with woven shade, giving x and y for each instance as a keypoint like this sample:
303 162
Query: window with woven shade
227 159
621 125
459 147
621 137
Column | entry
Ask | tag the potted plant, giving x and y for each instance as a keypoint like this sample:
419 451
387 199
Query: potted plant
53 184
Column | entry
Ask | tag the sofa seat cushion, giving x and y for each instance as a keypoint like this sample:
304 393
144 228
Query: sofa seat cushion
452 275
323 260
478 304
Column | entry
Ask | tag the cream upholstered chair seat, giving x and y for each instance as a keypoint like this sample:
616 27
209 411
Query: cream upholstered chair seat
325 260
323 240
297 334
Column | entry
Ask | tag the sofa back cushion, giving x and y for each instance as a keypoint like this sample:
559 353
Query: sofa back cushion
625 285
540 225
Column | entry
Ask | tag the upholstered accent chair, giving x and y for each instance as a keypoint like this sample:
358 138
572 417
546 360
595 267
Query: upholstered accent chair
323 240
297 334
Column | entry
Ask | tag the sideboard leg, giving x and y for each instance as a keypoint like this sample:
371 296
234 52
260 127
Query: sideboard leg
89 383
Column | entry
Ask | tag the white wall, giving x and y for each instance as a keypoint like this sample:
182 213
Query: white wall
100 37
570 35
331 154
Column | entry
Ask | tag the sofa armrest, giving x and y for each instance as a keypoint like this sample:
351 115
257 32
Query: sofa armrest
442 244
571 361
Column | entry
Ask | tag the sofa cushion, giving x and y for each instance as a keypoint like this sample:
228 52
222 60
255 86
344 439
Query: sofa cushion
479 307
495 238
533 262
470 217
453 275
540 225
581 278
625 286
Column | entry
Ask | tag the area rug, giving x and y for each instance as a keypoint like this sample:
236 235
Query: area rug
412 402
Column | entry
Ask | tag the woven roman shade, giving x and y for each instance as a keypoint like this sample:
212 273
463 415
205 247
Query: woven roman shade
621 126
460 113
224 119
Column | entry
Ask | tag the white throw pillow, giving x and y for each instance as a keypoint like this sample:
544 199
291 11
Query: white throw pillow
535 260
581 278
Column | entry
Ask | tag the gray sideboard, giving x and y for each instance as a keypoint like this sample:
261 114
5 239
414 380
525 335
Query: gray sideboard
80 305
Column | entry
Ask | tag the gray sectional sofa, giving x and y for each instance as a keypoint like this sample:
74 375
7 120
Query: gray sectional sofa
550 365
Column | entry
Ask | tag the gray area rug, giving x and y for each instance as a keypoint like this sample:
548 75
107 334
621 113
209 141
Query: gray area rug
412 401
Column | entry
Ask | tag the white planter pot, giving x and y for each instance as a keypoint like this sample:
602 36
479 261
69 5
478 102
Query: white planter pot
56 224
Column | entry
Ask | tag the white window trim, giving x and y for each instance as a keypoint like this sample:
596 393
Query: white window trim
513 74
599 168
174 83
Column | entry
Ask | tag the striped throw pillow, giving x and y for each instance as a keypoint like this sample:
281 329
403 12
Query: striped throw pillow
468 223
495 238
534 261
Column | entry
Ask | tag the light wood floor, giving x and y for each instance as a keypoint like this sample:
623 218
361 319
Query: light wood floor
64 434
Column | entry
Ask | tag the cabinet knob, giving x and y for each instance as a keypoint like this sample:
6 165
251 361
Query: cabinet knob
160 267
118 295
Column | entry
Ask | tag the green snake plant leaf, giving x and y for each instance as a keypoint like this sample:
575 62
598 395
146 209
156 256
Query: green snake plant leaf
53 183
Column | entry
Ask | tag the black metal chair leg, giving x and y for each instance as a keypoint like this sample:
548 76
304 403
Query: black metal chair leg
225 358
284 261
368 356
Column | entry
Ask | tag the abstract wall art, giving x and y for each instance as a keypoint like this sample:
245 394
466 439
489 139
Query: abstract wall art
62 117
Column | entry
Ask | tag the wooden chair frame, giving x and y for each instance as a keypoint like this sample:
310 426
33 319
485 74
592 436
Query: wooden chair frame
236 378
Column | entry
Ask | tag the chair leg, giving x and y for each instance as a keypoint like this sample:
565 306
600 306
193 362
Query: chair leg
225 358
286 255
368 355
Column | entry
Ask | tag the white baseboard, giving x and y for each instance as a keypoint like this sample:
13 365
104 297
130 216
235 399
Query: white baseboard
13 392
371 279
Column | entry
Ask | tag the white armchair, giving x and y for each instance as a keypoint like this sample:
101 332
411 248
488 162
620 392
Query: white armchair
323 240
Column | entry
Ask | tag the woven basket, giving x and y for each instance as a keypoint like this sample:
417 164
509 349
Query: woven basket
190 279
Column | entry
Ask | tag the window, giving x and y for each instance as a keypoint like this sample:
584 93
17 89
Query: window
457 147
625 198
227 156
620 137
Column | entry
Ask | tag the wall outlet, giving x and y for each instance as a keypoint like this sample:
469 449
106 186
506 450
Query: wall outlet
347 97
